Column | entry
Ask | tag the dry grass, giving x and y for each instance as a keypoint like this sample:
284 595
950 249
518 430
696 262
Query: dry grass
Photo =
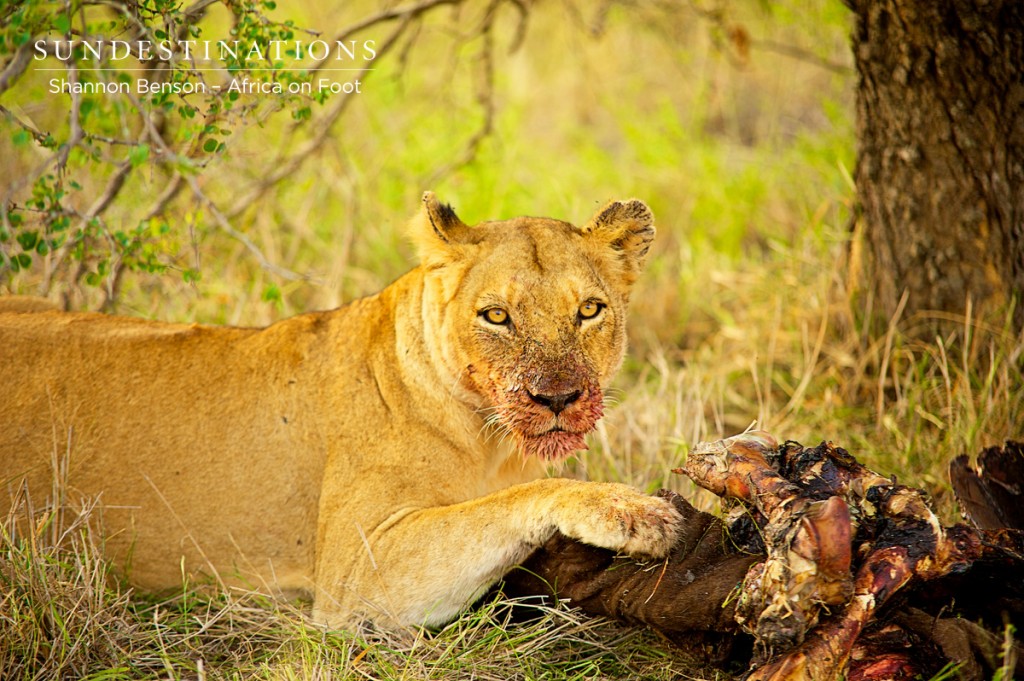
798 361
64 616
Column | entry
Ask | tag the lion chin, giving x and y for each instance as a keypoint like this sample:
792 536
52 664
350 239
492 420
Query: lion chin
546 435
554 446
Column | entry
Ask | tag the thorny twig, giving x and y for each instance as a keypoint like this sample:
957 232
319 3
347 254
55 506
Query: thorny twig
285 167
405 14
37 135
485 98
222 220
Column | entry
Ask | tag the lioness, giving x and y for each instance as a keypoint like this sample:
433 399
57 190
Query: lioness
389 456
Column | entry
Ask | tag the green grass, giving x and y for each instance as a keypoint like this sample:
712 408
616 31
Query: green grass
745 313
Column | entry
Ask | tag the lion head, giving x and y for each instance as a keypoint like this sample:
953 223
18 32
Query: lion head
527 316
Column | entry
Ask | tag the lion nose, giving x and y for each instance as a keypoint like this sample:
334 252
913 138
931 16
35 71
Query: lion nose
556 403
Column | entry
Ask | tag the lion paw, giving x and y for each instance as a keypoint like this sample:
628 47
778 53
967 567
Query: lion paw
620 518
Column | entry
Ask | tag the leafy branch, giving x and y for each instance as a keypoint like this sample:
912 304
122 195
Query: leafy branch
70 214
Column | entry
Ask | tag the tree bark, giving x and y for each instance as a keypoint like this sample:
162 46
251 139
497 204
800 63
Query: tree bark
940 159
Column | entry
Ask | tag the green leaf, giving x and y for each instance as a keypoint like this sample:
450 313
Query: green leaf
271 293
62 23
28 240
210 145
139 154
21 137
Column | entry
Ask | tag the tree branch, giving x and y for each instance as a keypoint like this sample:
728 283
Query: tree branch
74 119
113 188
225 226
197 9
172 189
285 167
37 135
484 97
16 66
795 52
403 13
222 220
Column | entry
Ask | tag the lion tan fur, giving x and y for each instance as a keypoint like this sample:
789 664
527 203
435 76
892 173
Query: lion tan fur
388 457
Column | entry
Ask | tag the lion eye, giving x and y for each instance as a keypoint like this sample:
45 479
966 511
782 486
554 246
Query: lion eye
495 315
590 309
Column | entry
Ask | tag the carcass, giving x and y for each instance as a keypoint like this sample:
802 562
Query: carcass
823 569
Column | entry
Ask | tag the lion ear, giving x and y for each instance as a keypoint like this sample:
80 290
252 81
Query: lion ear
436 231
627 227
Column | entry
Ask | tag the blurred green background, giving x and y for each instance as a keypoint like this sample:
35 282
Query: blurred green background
733 120
740 147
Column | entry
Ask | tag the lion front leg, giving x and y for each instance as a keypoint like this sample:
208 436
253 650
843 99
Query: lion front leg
422 566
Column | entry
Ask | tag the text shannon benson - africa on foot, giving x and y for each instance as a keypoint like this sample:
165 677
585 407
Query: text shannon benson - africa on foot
143 86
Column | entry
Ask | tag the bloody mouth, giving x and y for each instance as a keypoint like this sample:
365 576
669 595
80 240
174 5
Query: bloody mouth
551 436
554 446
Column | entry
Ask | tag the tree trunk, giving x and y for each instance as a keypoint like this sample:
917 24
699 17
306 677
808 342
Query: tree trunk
940 167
